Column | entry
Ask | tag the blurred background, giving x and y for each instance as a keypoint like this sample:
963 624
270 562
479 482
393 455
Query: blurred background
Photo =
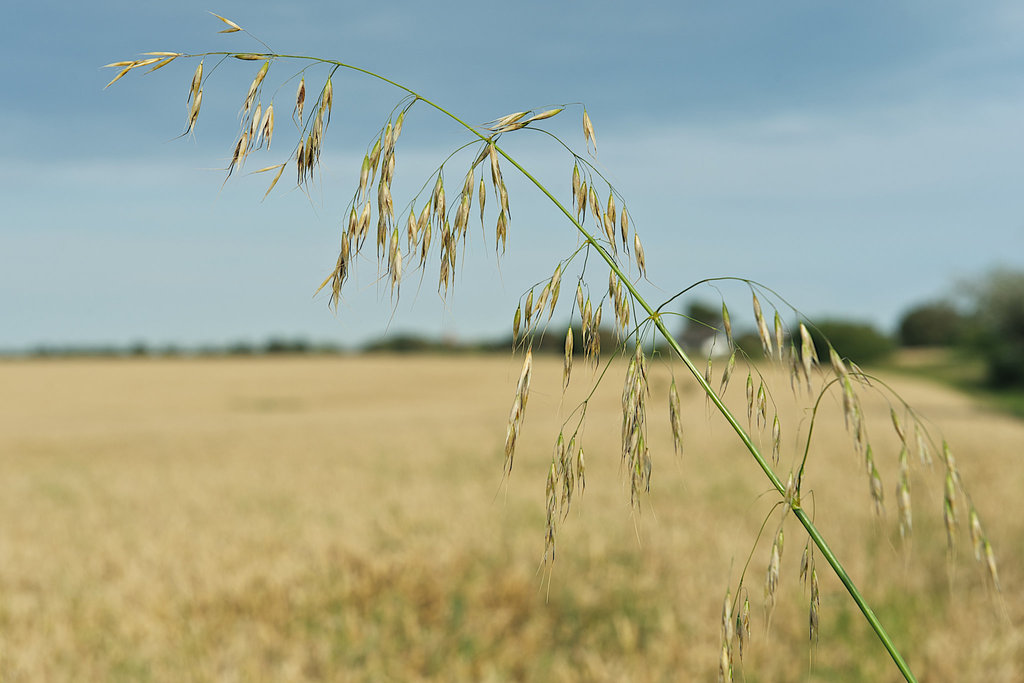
200 479
862 160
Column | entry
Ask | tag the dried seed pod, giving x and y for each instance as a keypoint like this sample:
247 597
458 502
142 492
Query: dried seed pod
398 128
254 125
374 158
675 417
250 97
501 231
495 168
990 563
575 183
588 131
197 82
529 308
502 123
638 254
556 286
483 200
776 439
815 606
808 355
542 300
977 536
233 27
728 325
193 113
923 451
624 225
837 363
762 328
762 404
327 99
609 231
779 335
581 202
277 176
877 494
750 397
518 410
541 116
503 198
903 506
595 206
364 176
771 581
897 426
267 126
411 229
949 513
729 367
300 100
424 219
567 361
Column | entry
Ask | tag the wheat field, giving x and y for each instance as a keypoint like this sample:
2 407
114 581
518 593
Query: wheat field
345 518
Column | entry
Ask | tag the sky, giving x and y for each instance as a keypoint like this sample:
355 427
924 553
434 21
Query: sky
857 158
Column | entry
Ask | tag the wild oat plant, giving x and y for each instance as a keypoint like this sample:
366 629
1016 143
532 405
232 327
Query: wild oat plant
435 231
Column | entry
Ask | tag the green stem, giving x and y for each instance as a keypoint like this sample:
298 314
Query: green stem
655 317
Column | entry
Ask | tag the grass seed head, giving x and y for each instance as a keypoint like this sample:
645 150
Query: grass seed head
727 375
762 328
877 494
675 417
197 82
543 115
990 563
482 192
575 183
588 131
327 99
567 360
595 206
977 536
638 254
728 325
808 355
495 168
815 606
903 506
232 26
267 126
300 100
779 335
949 512
193 112
250 97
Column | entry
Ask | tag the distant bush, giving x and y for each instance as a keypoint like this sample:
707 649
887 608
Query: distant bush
860 342
996 327
937 323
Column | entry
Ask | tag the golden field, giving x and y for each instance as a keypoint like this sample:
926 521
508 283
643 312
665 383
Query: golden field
345 519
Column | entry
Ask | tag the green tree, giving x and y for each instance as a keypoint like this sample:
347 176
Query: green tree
937 323
996 325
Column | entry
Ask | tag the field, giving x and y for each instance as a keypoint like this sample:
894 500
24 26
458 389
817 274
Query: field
345 518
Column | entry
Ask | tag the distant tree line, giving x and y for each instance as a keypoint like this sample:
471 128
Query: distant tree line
985 319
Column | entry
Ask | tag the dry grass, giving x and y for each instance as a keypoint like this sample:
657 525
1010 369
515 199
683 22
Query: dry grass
345 519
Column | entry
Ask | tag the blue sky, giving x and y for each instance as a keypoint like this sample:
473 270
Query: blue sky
857 157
